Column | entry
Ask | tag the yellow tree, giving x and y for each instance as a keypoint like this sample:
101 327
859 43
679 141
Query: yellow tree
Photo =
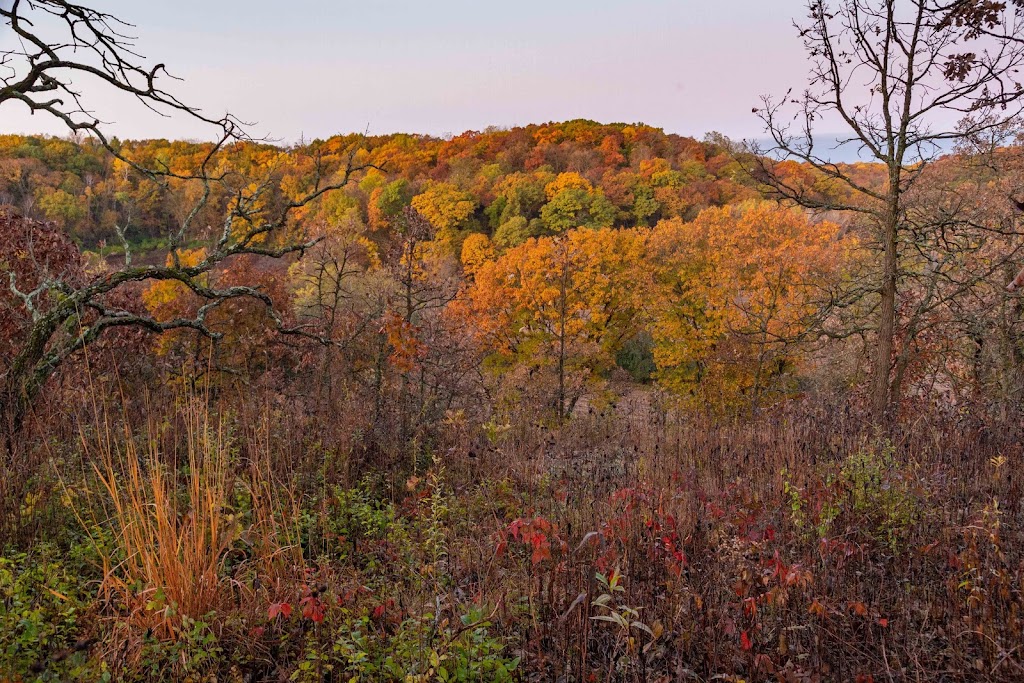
566 303
476 251
573 202
735 290
447 208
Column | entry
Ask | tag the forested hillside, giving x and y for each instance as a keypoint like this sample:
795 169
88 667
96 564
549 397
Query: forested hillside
488 221
567 256
497 182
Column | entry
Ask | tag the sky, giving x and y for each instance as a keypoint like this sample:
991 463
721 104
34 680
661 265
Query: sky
312 68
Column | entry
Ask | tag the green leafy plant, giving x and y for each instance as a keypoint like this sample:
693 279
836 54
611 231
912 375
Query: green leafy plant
881 491
629 629
41 607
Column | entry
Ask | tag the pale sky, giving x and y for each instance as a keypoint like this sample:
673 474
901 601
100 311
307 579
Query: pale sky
314 68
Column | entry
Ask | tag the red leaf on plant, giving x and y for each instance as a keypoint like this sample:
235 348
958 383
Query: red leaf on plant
313 609
282 608
540 553
745 641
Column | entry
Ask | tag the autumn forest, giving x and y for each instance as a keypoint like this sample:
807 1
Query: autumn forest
568 401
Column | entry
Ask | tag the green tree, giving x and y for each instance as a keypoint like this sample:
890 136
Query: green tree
574 203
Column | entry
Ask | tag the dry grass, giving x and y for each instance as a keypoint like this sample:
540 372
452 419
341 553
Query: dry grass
795 547
170 533
180 528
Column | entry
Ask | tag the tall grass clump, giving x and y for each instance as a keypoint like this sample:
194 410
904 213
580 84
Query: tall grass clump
168 523
182 532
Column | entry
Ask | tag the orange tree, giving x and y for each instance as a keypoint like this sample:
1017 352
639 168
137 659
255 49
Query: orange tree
734 292
563 305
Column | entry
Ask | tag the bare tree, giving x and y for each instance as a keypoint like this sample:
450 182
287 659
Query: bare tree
426 284
906 79
58 47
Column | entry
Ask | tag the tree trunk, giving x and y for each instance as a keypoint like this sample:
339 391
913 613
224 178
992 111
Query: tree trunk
404 398
561 344
25 379
881 397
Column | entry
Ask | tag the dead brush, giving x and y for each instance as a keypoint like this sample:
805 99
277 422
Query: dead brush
907 565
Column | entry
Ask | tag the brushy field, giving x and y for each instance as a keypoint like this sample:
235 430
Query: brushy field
208 544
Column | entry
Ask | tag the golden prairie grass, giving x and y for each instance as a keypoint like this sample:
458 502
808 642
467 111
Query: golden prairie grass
169 533
170 509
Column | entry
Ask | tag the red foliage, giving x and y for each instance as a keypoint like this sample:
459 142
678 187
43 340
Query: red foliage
283 609
31 253
313 608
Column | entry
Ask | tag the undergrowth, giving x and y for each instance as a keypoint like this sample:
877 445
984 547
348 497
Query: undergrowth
601 550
